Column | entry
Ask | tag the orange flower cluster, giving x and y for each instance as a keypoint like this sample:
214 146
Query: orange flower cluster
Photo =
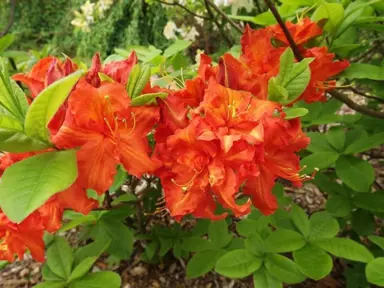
217 136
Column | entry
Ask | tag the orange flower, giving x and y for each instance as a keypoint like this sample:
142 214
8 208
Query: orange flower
17 238
109 132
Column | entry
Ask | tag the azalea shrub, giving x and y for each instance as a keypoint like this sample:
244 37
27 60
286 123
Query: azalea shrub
146 133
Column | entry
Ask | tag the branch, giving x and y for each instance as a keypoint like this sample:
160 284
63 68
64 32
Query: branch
11 19
340 96
354 90
184 8
222 32
229 20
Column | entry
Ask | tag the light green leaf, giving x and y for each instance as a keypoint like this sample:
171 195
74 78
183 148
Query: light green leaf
356 173
98 280
263 279
60 258
313 262
319 160
283 240
95 249
149 98
82 269
137 80
82 220
177 46
119 179
300 219
375 271
294 112
104 77
283 269
276 92
364 71
238 264
345 248
47 273
370 201
46 104
47 173
218 233
254 244
51 284
202 262
6 41
379 241
323 226
344 50
286 66
334 12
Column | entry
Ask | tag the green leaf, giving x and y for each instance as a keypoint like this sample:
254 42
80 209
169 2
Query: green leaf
283 240
291 113
94 249
125 198
345 248
356 173
137 80
98 280
104 77
370 201
363 222
323 226
6 41
51 284
336 138
334 12
300 219
46 104
48 275
60 258
338 205
120 235
276 92
119 179
202 262
82 269
150 249
218 233
177 46
48 174
12 98
82 220
283 269
13 138
286 66
364 71
379 241
364 143
263 279
165 245
238 264
254 244
196 244
146 99
375 271
313 262
319 143
319 160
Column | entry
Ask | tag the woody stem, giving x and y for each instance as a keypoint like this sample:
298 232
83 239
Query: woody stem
336 94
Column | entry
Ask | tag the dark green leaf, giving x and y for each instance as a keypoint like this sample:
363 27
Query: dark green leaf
364 143
319 160
94 249
196 244
370 201
150 249
313 262
48 174
202 262
336 138
165 245
60 258
363 222
238 264
338 205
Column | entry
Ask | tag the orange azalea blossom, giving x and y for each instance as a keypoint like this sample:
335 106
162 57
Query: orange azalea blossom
108 131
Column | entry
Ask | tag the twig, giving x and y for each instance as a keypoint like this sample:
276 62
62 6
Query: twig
366 53
11 19
139 210
354 90
108 200
229 20
336 94
229 42
184 8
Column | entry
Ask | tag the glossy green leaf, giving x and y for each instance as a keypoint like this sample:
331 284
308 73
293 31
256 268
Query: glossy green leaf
218 233
283 269
375 271
118 180
98 280
262 278
94 249
46 104
137 80
48 275
333 12
177 46
238 264
283 240
319 160
291 113
82 269
82 220
300 219
370 201
60 258
345 248
379 241
313 262
48 174
322 226
364 71
254 244
356 173
149 98
202 262
104 77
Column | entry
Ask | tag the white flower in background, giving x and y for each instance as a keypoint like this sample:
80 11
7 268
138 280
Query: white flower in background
89 13
197 57
102 6
189 35
87 8
238 4
222 2
170 30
